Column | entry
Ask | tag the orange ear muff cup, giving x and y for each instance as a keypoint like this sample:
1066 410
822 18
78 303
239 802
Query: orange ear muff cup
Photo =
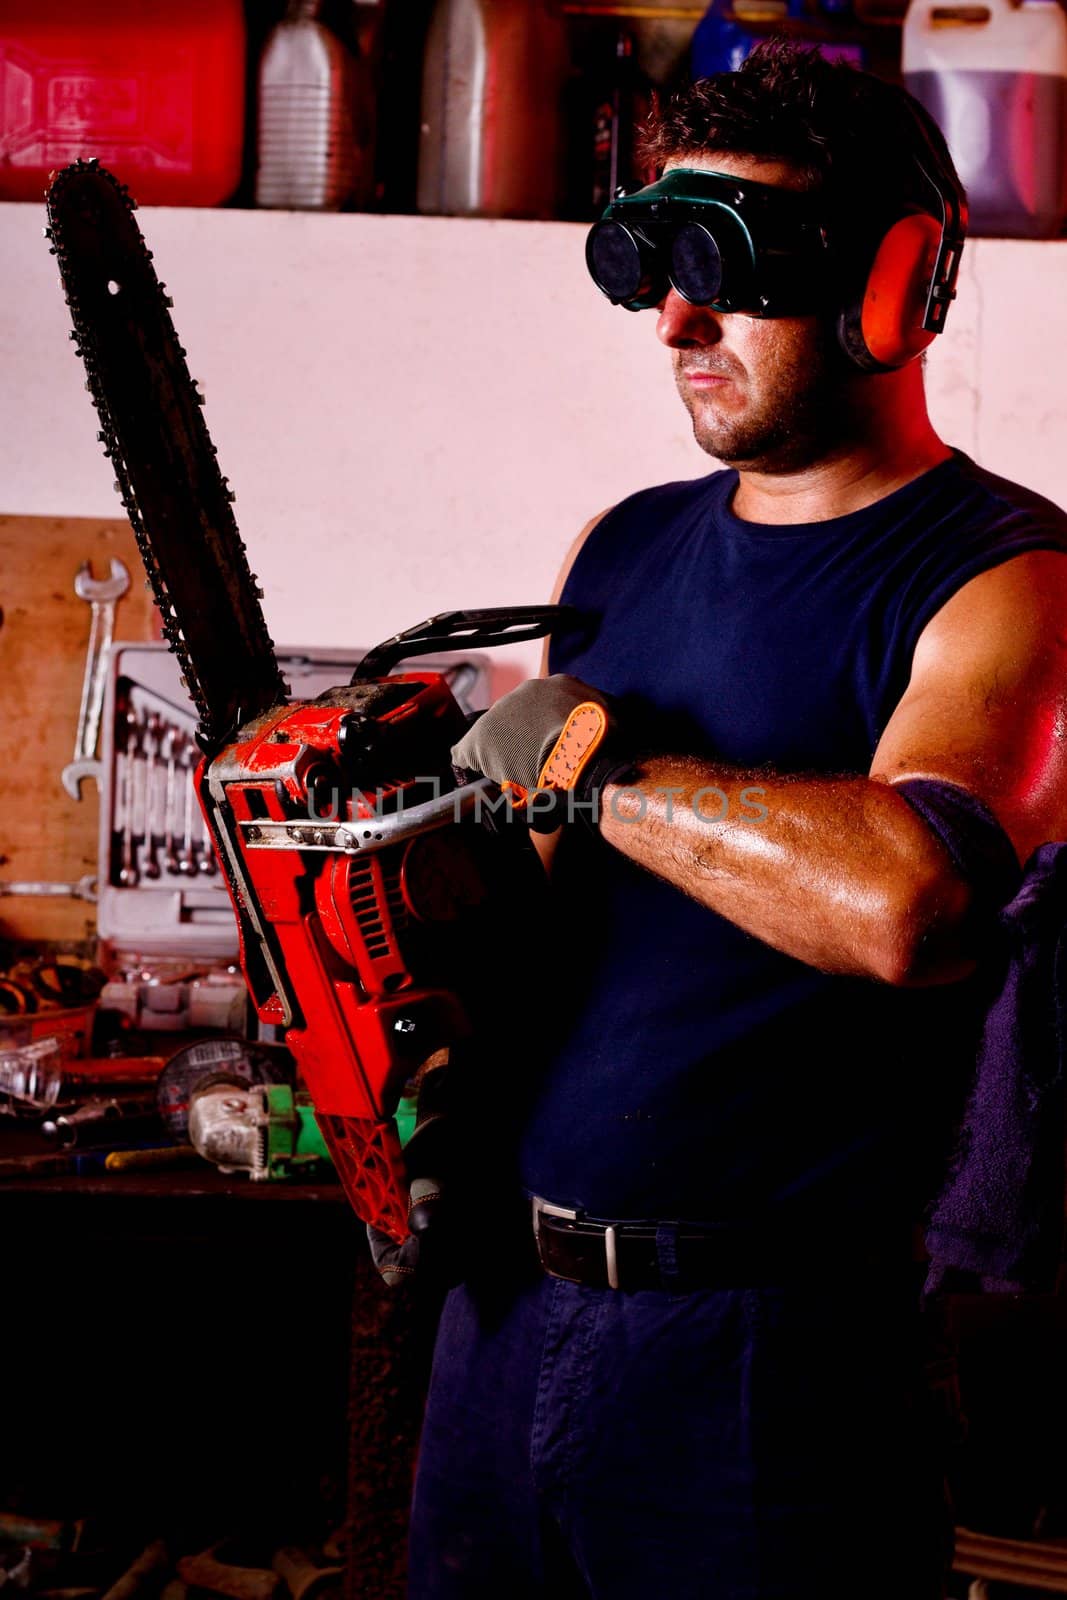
894 299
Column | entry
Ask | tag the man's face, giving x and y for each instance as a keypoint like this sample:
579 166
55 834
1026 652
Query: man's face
770 394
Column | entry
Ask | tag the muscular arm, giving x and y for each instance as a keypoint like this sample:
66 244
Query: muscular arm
842 873
839 872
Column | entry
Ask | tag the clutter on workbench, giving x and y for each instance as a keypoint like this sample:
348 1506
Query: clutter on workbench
207 1061
240 1108
47 1007
69 1027
35 1076
31 1074
48 1011
81 1122
39 983
266 1130
127 1112
231 1103
157 998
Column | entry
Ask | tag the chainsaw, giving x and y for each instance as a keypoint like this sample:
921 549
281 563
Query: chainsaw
362 873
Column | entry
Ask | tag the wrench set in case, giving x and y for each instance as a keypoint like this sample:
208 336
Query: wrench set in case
160 894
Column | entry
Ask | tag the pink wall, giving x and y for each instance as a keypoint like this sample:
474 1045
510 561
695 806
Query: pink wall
419 413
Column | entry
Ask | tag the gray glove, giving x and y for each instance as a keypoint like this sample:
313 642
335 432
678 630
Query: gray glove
512 742
395 1262
431 1157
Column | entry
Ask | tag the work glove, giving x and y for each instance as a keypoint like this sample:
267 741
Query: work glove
552 744
430 1156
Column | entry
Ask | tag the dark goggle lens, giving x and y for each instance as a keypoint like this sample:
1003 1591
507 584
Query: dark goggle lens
615 261
696 264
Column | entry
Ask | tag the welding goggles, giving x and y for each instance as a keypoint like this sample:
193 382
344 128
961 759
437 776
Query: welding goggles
720 241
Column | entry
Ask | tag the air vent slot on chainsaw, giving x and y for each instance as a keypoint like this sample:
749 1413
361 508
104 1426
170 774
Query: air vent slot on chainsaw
367 907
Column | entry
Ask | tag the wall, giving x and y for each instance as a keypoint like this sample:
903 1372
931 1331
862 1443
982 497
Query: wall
419 413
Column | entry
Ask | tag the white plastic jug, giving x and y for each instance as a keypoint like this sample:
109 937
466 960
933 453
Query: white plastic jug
994 76
313 144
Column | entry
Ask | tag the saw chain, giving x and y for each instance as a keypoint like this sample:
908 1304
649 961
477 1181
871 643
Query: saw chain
166 466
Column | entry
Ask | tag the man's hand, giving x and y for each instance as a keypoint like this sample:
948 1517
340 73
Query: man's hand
532 740
395 1262
430 1156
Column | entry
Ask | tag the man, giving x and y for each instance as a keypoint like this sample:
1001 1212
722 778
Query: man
709 1383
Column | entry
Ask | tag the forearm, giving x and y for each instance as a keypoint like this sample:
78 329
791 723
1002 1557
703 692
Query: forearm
839 872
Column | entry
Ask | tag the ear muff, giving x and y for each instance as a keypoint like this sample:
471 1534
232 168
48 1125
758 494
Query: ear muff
881 328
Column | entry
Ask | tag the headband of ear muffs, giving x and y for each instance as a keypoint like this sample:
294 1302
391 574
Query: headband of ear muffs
895 302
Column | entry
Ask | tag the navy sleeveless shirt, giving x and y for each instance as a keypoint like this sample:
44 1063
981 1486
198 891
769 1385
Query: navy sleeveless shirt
687 1070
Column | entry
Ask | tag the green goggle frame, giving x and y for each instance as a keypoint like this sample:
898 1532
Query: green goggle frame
721 241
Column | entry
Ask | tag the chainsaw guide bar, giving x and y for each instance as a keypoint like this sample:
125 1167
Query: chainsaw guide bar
166 467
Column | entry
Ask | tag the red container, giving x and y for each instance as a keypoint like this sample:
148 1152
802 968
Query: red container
153 88
70 1026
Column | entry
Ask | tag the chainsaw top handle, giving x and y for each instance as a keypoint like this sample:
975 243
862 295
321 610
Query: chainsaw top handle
491 626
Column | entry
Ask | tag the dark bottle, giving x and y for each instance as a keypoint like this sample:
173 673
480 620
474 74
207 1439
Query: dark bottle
394 41
619 110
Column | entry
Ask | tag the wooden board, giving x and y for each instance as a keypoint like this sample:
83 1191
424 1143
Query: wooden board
44 632
1033 1563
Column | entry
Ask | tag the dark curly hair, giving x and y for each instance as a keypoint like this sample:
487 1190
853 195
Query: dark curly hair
850 135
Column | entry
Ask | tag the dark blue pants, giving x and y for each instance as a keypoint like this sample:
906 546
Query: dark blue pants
739 1444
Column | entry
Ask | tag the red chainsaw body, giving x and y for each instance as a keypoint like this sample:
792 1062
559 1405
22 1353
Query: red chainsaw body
350 950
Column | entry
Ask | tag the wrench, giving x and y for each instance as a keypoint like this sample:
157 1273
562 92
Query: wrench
103 595
151 744
128 871
173 739
82 889
187 853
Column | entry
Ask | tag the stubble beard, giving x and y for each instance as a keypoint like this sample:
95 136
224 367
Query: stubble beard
801 417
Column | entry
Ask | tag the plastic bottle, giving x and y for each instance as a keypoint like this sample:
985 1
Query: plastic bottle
994 76
491 141
313 147
154 90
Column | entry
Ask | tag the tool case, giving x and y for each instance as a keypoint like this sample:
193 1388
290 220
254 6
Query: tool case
161 896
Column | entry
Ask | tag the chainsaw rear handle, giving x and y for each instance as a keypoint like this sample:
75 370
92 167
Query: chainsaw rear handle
472 629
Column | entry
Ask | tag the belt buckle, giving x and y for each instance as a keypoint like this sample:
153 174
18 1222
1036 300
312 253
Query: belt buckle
569 1214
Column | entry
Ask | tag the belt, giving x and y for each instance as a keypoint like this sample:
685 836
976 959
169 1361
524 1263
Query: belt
681 1257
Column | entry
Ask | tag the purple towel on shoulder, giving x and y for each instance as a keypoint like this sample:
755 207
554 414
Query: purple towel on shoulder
997 1224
